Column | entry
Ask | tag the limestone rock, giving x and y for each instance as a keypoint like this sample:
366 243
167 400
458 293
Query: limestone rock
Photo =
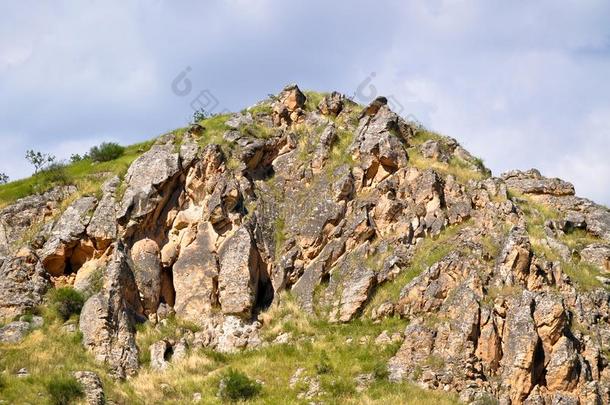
239 275
144 180
160 352
195 277
65 248
107 318
16 219
289 106
92 386
597 254
521 347
14 332
331 104
146 260
532 182
23 283
102 228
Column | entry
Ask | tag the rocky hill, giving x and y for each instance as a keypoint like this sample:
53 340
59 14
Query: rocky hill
323 252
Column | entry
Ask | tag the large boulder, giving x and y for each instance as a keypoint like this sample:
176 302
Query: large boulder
102 228
14 332
597 254
92 386
107 318
68 247
195 276
144 181
521 366
16 219
289 106
23 283
532 182
380 143
331 104
239 275
147 269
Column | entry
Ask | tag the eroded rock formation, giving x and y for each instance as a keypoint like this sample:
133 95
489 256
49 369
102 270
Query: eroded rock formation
333 204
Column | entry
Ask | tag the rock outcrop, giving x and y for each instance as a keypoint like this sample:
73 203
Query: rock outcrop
502 283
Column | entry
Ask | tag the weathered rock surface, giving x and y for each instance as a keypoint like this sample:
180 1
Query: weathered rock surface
107 318
18 218
332 204
92 386
23 282
14 332
532 182
239 274
66 247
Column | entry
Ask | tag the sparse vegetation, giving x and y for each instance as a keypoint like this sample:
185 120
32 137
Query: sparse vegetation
430 251
313 99
64 390
237 386
85 174
106 152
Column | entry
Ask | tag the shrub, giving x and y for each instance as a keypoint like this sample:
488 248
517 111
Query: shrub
75 157
106 152
66 302
64 390
200 115
3 178
323 366
236 386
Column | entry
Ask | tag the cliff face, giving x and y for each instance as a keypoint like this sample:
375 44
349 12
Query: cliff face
353 212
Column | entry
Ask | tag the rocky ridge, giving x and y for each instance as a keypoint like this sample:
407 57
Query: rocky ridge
332 205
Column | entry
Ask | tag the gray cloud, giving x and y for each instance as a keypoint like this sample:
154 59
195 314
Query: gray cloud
520 84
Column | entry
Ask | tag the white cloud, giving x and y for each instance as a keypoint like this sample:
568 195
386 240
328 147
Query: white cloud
522 85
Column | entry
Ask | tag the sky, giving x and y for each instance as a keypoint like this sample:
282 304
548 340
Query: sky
521 84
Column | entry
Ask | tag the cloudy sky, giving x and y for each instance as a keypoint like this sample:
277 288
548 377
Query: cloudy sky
521 84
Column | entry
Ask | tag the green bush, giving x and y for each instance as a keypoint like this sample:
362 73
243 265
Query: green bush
64 390
236 386
66 302
324 366
200 115
106 152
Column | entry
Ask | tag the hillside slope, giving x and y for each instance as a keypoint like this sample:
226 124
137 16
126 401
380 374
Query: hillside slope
332 252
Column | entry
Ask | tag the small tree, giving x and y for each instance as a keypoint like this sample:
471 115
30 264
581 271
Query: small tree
200 115
3 178
39 160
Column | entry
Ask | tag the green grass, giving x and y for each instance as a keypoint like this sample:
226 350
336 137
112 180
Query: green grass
64 390
50 355
429 252
319 347
461 169
583 274
456 167
85 174
313 99
339 152
264 108
215 127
